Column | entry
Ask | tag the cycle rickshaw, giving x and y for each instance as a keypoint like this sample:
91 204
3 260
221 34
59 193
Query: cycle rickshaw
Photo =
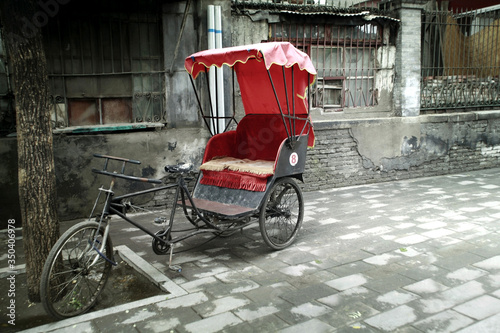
247 175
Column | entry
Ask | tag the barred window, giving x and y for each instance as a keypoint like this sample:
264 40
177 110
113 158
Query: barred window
460 63
105 69
344 56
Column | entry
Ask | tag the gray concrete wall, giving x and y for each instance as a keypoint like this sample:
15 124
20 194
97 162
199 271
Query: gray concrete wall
180 104
347 152
77 185
354 152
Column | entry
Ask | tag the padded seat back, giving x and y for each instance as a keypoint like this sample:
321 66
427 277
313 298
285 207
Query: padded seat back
258 137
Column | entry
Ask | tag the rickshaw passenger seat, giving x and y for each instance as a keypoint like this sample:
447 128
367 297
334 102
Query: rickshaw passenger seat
246 157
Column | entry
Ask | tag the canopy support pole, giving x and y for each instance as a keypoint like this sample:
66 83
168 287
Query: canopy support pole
211 106
279 106
308 93
293 103
216 113
287 103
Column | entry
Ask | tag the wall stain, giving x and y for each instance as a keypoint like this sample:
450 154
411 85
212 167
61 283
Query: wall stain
148 172
172 145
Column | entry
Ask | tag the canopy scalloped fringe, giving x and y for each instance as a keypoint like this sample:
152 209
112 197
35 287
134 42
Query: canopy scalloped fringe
278 53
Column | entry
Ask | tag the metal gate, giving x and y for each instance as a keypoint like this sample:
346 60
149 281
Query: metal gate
460 60
344 57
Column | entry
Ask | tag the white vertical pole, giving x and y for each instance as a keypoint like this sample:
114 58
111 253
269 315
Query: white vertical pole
220 71
211 73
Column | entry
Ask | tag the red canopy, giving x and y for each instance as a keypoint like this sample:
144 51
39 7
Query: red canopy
291 72
251 63
282 54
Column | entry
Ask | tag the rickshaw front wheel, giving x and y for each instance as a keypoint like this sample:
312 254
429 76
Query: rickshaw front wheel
282 214
160 247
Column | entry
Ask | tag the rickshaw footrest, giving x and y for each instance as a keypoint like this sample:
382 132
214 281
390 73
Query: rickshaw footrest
220 208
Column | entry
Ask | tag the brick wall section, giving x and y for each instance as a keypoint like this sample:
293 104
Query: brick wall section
333 161
469 145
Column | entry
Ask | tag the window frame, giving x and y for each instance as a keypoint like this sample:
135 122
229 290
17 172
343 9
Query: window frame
130 69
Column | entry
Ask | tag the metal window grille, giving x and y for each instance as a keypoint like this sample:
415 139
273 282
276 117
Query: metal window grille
344 56
460 62
106 70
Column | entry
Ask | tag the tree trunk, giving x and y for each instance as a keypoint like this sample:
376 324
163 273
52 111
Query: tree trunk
21 22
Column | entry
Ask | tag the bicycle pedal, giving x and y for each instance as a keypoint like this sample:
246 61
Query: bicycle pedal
175 268
160 220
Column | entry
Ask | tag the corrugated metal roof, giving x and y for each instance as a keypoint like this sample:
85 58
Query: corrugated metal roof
366 15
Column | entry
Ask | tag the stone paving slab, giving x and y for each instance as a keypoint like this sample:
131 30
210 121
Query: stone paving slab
419 255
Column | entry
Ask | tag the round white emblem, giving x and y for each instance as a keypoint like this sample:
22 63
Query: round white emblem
294 159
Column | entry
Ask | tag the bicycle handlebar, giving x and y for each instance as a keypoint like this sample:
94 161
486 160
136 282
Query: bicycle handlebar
117 158
120 175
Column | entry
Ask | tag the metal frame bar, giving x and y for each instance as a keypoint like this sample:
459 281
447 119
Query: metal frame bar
279 105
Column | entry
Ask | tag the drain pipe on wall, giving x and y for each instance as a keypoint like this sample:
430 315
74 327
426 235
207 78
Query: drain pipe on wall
220 71
216 75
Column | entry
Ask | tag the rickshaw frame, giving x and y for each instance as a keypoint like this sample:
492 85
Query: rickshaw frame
85 251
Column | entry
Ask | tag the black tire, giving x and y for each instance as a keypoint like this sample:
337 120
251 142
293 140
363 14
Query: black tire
161 248
282 214
70 284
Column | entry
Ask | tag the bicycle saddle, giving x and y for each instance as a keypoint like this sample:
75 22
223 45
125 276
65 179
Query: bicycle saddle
179 168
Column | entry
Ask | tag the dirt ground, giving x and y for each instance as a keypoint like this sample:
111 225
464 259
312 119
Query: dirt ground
125 285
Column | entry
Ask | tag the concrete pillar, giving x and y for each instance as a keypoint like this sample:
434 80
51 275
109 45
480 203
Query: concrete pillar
180 103
408 55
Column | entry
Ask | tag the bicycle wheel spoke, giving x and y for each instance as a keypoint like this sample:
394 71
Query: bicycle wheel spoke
75 273
283 214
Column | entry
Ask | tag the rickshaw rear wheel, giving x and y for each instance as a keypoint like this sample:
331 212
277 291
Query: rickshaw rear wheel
281 216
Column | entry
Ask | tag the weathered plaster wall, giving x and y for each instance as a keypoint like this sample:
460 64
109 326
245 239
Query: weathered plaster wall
390 134
181 103
77 185
374 150
347 153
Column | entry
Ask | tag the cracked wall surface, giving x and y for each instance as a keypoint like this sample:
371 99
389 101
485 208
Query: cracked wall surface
374 150
77 185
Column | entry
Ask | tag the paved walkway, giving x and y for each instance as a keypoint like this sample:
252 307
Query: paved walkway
408 256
